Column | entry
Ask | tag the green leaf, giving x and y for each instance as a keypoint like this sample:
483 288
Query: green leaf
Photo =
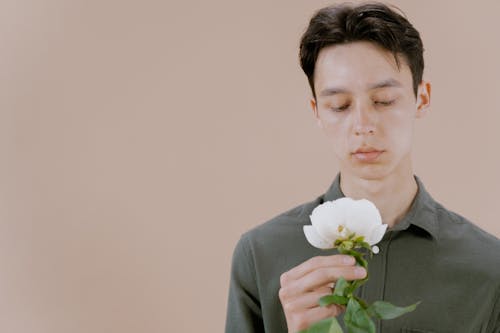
340 286
351 288
359 239
357 319
385 310
335 327
362 262
354 285
358 256
329 325
346 245
365 245
333 299
362 303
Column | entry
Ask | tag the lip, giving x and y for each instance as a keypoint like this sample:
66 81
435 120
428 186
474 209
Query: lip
367 154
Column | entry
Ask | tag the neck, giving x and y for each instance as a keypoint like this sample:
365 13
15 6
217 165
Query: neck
392 195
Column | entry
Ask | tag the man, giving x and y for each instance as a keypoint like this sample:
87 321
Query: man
364 65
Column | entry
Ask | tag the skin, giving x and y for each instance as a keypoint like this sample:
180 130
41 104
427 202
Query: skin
367 108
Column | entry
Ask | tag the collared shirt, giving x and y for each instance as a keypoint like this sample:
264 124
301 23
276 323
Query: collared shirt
432 255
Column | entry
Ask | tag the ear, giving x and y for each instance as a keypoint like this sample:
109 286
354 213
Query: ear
423 99
314 109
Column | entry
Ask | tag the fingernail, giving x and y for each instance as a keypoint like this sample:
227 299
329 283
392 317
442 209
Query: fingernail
360 272
348 260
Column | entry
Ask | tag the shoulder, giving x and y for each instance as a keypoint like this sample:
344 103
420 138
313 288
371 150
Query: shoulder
468 242
454 226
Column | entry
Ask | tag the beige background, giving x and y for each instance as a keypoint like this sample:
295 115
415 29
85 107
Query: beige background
139 139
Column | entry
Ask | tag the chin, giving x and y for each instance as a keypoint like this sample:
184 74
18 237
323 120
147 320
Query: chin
371 172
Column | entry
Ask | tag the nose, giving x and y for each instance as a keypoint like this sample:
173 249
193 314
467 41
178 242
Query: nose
364 120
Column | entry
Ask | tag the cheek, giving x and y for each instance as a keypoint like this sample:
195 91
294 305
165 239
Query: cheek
400 133
333 121
332 124
337 133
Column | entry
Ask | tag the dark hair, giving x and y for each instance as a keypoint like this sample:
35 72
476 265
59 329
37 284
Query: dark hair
373 22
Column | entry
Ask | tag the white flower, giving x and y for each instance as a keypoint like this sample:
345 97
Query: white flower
342 217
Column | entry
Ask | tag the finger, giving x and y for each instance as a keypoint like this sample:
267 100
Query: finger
305 319
324 289
306 301
321 277
315 263
330 285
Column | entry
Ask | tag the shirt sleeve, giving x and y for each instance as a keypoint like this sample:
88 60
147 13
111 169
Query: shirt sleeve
243 309
494 324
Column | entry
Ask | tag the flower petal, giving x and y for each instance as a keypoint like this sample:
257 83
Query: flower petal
325 219
355 219
357 216
315 239
376 234
363 216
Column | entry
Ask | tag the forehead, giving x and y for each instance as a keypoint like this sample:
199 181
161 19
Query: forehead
358 66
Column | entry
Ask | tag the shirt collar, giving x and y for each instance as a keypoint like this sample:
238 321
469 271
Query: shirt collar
422 212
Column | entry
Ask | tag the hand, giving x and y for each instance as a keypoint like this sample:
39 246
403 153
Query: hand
305 284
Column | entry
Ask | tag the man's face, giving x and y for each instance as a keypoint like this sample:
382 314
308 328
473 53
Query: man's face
366 106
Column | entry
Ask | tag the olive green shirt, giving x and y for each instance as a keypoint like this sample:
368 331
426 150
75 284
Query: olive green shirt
433 255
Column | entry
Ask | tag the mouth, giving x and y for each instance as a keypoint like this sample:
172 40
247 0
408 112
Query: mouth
367 154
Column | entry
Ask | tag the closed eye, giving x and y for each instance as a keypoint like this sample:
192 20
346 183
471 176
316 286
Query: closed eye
385 103
340 108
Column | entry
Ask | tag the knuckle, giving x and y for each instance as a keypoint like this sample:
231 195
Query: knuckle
282 294
283 278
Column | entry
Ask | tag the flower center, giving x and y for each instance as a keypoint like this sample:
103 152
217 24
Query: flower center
343 231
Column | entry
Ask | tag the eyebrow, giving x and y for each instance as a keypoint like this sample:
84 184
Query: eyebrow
383 84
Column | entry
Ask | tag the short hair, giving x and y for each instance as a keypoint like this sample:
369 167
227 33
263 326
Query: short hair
373 22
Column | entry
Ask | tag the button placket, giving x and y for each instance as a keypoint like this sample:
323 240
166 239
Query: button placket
384 256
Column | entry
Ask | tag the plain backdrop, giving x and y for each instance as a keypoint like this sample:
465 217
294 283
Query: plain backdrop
140 139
